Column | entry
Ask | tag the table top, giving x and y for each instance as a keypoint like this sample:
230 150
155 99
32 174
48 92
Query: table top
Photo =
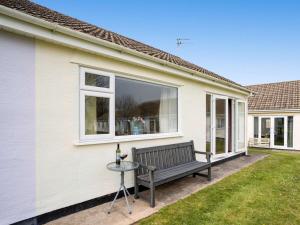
124 166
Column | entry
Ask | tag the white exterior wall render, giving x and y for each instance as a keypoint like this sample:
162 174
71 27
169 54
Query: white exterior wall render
68 173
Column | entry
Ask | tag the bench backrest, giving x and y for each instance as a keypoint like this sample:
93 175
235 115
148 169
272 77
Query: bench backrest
165 156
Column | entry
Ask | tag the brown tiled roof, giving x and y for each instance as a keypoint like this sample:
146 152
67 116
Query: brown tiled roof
46 14
275 96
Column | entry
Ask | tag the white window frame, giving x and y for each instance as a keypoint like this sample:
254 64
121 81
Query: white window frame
244 148
111 77
110 96
86 90
214 125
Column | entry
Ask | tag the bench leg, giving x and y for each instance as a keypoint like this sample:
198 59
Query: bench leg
152 196
209 174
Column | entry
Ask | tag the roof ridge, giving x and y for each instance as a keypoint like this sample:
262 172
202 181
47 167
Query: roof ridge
280 82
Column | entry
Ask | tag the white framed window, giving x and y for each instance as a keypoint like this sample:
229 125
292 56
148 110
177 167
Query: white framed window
115 107
96 115
95 80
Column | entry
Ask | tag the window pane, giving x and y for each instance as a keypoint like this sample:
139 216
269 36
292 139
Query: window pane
144 108
241 125
290 132
220 129
96 80
96 115
208 123
279 131
265 127
255 127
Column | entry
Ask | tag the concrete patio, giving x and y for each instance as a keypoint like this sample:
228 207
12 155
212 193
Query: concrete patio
165 195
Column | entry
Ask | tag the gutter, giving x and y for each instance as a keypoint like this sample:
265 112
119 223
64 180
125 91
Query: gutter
274 111
86 37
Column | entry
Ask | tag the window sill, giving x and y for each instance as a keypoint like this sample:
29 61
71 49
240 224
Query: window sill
128 139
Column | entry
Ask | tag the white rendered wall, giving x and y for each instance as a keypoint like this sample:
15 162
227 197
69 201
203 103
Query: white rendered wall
68 173
17 133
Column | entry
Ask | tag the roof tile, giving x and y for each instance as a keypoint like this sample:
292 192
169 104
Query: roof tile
275 96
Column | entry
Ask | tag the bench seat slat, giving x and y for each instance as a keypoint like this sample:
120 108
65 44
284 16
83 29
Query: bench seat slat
161 175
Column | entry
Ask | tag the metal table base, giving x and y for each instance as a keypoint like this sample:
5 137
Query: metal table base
126 193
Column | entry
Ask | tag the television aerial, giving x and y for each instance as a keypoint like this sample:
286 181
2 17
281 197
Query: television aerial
181 41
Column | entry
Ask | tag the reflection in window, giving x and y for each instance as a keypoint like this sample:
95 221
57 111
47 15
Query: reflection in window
265 127
144 108
96 80
255 127
279 131
208 123
241 125
221 131
290 132
96 115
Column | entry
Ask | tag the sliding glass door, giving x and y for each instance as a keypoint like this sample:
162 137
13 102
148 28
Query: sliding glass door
220 125
279 131
225 125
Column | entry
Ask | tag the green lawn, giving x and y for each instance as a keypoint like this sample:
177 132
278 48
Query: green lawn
267 192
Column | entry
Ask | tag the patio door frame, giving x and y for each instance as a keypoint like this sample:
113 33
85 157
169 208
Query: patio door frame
236 124
285 120
272 130
214 127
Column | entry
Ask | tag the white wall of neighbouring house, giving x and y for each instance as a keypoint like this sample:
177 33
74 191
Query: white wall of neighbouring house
297 131
68 173
296 124
17 133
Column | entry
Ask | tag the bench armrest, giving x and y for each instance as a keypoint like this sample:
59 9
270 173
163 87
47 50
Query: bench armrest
208 155
150 168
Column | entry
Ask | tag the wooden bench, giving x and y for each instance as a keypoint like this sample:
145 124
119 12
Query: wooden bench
162 164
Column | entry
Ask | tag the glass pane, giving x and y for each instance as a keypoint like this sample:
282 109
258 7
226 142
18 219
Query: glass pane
279 131
144 108
265 127
241 125
290 132
255 127
96 80
208 123
96 115
220 129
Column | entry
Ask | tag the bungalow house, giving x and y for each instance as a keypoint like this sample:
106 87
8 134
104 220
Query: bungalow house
70 91
274 115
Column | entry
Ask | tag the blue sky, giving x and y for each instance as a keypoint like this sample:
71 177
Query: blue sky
250 42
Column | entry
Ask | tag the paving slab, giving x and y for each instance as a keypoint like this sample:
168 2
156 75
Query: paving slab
165 194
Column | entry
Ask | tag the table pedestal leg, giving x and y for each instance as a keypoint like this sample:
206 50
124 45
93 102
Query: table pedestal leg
126 193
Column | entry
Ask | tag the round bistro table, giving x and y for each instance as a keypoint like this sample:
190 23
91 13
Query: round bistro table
122 168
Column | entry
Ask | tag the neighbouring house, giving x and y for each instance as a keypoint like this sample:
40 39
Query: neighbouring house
71 90
274 115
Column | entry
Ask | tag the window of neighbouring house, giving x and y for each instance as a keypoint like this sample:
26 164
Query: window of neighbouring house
255 134
113 106
290 131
